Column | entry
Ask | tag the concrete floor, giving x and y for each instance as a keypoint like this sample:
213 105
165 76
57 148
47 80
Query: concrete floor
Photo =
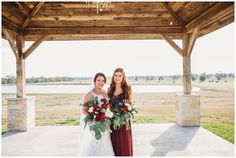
167 139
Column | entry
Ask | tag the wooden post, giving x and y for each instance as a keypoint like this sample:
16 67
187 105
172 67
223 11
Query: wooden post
187 77
187 103
188 44
20 67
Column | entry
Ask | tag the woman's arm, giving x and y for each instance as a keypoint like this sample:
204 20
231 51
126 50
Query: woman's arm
87 98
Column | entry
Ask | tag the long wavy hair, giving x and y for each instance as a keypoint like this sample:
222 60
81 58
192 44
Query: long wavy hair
124 85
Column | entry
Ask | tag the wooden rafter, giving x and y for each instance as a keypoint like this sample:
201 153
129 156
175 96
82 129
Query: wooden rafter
34 46
24 7
73 21
34 11
229 18
173 13
192 40
11 41
10 25
103 30
211 15
172 44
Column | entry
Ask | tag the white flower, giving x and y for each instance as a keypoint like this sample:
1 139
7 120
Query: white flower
90 109
129 106
109 113
99 104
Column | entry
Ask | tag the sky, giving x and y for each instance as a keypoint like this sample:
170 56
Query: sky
211 54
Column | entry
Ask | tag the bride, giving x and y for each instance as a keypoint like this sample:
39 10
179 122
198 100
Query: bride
89 145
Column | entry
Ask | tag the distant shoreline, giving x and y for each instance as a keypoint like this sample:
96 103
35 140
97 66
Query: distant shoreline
85 83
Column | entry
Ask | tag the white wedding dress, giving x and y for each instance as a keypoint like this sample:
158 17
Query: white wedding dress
89 145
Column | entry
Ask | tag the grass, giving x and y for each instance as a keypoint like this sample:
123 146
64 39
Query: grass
67 121
223 129
152 119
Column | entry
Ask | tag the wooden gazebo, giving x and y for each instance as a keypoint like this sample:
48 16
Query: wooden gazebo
52 21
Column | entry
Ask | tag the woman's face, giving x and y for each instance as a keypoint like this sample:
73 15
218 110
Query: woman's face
118 77
100 81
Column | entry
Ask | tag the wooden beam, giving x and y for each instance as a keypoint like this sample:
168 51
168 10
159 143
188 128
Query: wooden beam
34 46
134 36
11 41
75 21
34 11
23 6
211 15
10 25
228 19
192 40
177 6
187 77
103 30
172 44
10 10
173 13
104 16
20 67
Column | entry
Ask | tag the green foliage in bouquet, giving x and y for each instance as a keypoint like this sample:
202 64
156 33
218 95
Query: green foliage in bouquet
99 116
100 127
122 113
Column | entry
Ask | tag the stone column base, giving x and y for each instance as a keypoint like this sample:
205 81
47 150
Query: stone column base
20 114
188 109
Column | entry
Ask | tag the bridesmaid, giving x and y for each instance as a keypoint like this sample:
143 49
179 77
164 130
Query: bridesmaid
118 91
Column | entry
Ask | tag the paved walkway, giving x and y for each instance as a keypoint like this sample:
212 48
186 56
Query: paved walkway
167 139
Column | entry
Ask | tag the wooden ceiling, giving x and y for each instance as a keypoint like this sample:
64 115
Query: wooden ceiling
122 20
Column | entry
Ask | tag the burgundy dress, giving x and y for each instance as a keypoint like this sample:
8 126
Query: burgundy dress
121 138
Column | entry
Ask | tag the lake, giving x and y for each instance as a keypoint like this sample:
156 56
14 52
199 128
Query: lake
72 89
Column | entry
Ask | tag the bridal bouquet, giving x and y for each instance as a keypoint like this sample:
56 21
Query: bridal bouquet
99 117
122 113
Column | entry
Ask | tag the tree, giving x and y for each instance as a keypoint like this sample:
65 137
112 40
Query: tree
231 75
202 78
220 76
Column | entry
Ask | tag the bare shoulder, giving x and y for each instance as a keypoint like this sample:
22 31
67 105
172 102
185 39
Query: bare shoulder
88 97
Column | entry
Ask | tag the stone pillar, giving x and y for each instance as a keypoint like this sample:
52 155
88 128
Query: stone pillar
20 114
188 109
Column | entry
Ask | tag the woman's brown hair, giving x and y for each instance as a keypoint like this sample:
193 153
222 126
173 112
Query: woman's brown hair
99 74
126 88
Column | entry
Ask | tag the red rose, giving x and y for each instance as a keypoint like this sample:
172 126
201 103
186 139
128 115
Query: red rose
100 116
95 109
103 100
104 105
110 104
125 108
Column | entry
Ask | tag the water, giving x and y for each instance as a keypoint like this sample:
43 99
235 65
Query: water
75 89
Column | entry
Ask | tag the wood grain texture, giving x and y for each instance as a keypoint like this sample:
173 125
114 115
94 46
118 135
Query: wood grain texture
76 19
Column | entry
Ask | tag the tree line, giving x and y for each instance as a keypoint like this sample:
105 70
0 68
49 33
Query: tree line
10 79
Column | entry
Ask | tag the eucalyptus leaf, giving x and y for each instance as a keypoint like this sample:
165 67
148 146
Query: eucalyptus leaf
98 136
103 128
